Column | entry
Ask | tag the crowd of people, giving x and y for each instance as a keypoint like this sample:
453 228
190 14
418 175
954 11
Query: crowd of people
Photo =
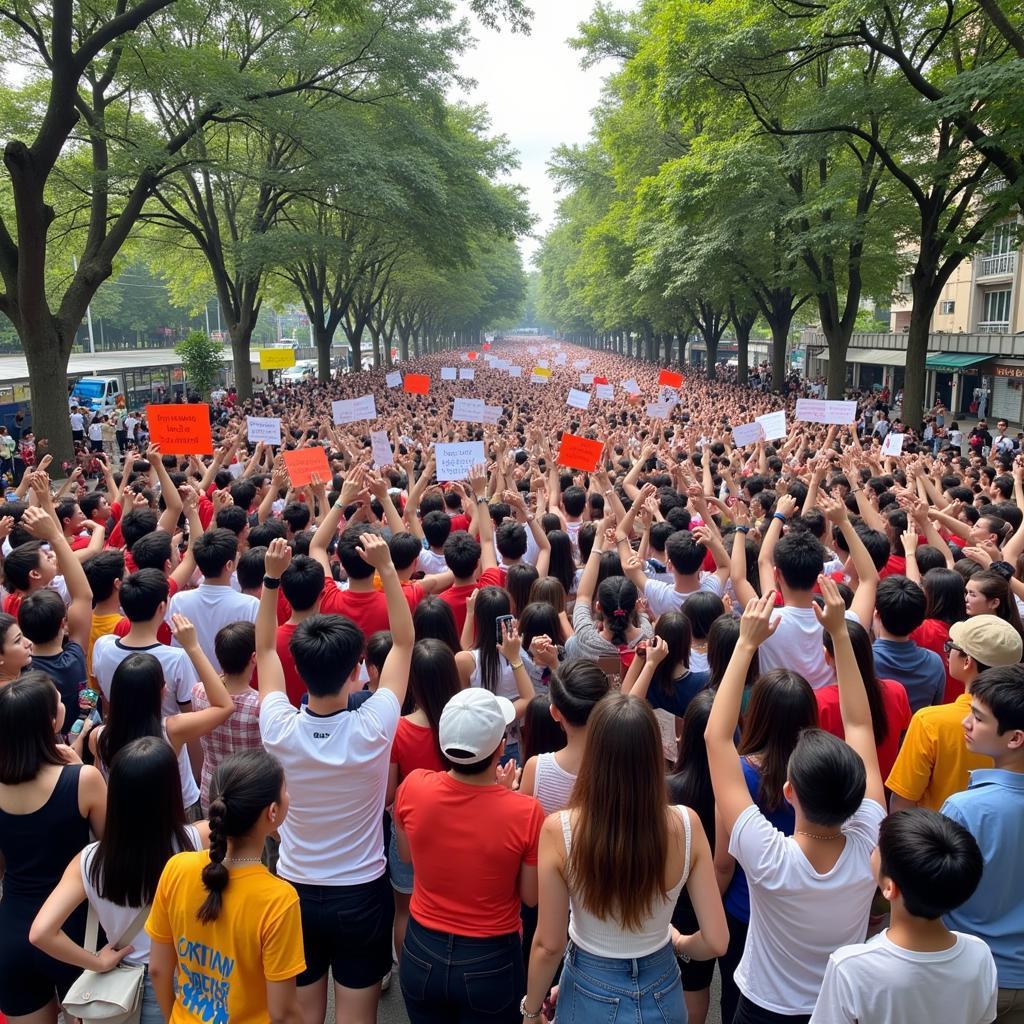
549 742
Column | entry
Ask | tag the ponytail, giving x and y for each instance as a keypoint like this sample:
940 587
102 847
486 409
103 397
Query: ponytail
617 597
244 785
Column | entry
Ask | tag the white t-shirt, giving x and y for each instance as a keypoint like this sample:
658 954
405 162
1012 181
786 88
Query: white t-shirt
880 981
179 675
431 562
796 645
663 597
797 916
77 422
337 771
96 431
210 608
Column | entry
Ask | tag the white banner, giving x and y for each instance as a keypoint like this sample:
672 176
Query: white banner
586 379
580 364
659 410
774 424
606 392
515 371
381 445
816 410
578 399
492 413
893 444
264 428
468 410
352 410
456 461
448 373
630 386
747 433
394 379
467 373
560 359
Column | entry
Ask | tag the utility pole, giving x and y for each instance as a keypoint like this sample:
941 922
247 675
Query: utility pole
206 310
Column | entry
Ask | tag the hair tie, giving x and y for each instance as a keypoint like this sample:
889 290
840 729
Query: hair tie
619 613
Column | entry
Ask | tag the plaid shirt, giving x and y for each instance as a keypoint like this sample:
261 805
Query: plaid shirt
240 732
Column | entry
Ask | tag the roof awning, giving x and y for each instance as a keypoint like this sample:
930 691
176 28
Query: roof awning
951 361
873 356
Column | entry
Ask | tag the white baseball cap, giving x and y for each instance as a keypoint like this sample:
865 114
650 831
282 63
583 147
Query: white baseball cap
473 723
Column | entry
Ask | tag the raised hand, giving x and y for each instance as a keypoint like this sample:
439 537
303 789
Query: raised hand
374 550
278 558
756 623
833 615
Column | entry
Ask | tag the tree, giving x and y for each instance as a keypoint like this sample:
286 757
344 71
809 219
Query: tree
201 359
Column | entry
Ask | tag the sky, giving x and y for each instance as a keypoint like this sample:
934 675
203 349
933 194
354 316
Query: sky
537 95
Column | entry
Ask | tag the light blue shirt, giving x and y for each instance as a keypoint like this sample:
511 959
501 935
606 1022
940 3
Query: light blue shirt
992 810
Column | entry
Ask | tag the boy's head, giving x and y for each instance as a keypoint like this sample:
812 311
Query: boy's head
349 546
926 863
900 605
405 550
144 595
378 647
574 500
215 552
104 572
235 648
980 643
685 553
94 505
510 539
70 516
303 583
327 650
436 528
41 616
153 551
137 523
799 560
29 567
994 727
462 554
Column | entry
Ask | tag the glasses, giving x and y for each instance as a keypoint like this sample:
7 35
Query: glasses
949 647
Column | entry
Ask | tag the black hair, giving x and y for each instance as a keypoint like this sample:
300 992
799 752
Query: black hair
40 615
944 595
723 636
828 777
296 515
800 558
928 558
245 784
90 502
134 708
349 547
142 593
585 540
326 649
303 582
233 518
1001 690
103 570
574 500
519 580
136 523
860 640
674 629
901 605
462 554
152 550
20 564
539 619
562 565
511 540
28 707
690 781
263 533
378 647
433 619
405 550
701 608
433 681
617 597
213 550
577 688
234 646
877 543
437 527
251 568
660 533
685 553
541 733
145 823
65 510
243 494
935 862
491 602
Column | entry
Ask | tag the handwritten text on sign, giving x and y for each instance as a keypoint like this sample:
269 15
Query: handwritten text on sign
381 447
304 462
468 410
180 429
578 399
456 461
394 379
814 410
264 428
579 453
351 410
276 358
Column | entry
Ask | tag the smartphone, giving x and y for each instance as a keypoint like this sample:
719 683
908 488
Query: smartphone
499 625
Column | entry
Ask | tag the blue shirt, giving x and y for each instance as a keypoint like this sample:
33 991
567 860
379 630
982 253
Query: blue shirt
683 691
920 671
992 810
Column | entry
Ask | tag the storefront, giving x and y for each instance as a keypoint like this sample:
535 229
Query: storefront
959 381
1007 389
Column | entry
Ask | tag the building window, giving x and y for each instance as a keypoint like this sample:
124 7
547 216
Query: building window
947 307
1001 240
997 306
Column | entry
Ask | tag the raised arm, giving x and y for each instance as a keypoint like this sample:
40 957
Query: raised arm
867 575
268 665
184 728
172 500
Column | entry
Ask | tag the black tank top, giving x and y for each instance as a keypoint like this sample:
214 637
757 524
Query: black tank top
39 846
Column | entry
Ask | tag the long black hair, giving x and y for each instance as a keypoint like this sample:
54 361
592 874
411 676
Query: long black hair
690 781
491 602
674 629
702 608
145 823
722 639
562 565
433 681
617 597
539 619
244 786
518 582
28 707
944 590
135 705
862 651
434 619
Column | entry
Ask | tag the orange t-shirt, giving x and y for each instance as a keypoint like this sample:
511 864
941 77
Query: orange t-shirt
468 844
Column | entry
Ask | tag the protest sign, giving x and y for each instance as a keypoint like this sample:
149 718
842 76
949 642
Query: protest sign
302 463
774 424
579 453
492 413
578 399
893 444
560 359
352 410
276 358
747 433
659 410
447 373
416 384
468 410
606 392
472 355
467 373
394 379
670 379
515 371
815 410
456 461
586 379
264 428
180 429
543 364
381 448
600 380
630 386
580 364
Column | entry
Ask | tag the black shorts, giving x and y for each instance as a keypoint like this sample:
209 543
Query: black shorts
346 928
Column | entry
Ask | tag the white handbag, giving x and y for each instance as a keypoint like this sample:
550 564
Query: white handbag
110 997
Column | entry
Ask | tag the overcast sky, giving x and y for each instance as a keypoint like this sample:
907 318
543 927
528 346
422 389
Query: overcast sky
537 94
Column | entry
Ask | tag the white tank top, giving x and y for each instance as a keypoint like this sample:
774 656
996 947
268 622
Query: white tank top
608 938
115 919
552 784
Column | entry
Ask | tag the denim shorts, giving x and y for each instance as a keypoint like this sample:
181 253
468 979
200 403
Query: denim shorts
346 928
604 990
398 869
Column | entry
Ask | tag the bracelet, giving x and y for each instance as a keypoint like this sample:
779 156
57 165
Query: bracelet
743 529
518 664
679 952
271 582
781 518
526 1013
481 501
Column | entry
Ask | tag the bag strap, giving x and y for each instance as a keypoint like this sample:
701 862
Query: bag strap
134 928
92 927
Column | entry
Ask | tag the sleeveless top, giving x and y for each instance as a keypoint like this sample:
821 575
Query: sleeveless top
38 846
115 919
189 786
608 938
552 784
506 688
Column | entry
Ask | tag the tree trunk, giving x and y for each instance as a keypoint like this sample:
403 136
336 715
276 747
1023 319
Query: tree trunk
241 336
780 335
323 353
912 412
48 373
838 343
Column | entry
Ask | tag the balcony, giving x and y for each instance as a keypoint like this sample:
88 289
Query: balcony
994 327
1002 265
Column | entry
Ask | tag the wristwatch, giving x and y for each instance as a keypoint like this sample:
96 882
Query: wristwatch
526 1013
271 582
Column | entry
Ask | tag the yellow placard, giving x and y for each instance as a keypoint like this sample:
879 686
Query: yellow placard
276 358
539 371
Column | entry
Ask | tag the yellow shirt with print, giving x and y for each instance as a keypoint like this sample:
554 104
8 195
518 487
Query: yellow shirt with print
102 625
223 966
934 762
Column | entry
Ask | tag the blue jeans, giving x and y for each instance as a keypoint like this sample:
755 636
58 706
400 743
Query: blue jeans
602 990
452 979
151 1013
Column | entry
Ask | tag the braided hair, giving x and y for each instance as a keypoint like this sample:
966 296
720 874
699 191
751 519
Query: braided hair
617 597
245 784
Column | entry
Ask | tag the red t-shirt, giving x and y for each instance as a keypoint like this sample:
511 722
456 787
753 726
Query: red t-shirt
367 609
897 714
293 683
415 747
456 596
932 634
896 566
79 542
460 521
12 602
468 845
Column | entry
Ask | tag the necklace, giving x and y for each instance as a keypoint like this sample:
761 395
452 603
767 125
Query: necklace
243 860
814 835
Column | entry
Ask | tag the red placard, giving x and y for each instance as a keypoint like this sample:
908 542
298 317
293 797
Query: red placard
302 463
580 453
486 346
670 379
416 383
180 429
600 380
473 355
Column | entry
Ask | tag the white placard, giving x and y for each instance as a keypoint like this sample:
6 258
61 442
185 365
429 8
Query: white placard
774 424
264 428
630 386
351 410
543 364
448 373
468 410
659 410
816 410
456 461
586 380
578 399
467 373
394 379
606 392
560 359
235 469
492 413
515 371
580 364
893 444
534 379
747 433
381 445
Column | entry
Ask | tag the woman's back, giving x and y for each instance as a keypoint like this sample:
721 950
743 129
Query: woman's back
553 785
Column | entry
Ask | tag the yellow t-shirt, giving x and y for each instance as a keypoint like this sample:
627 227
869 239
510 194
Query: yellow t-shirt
223 966
102 625
934 762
